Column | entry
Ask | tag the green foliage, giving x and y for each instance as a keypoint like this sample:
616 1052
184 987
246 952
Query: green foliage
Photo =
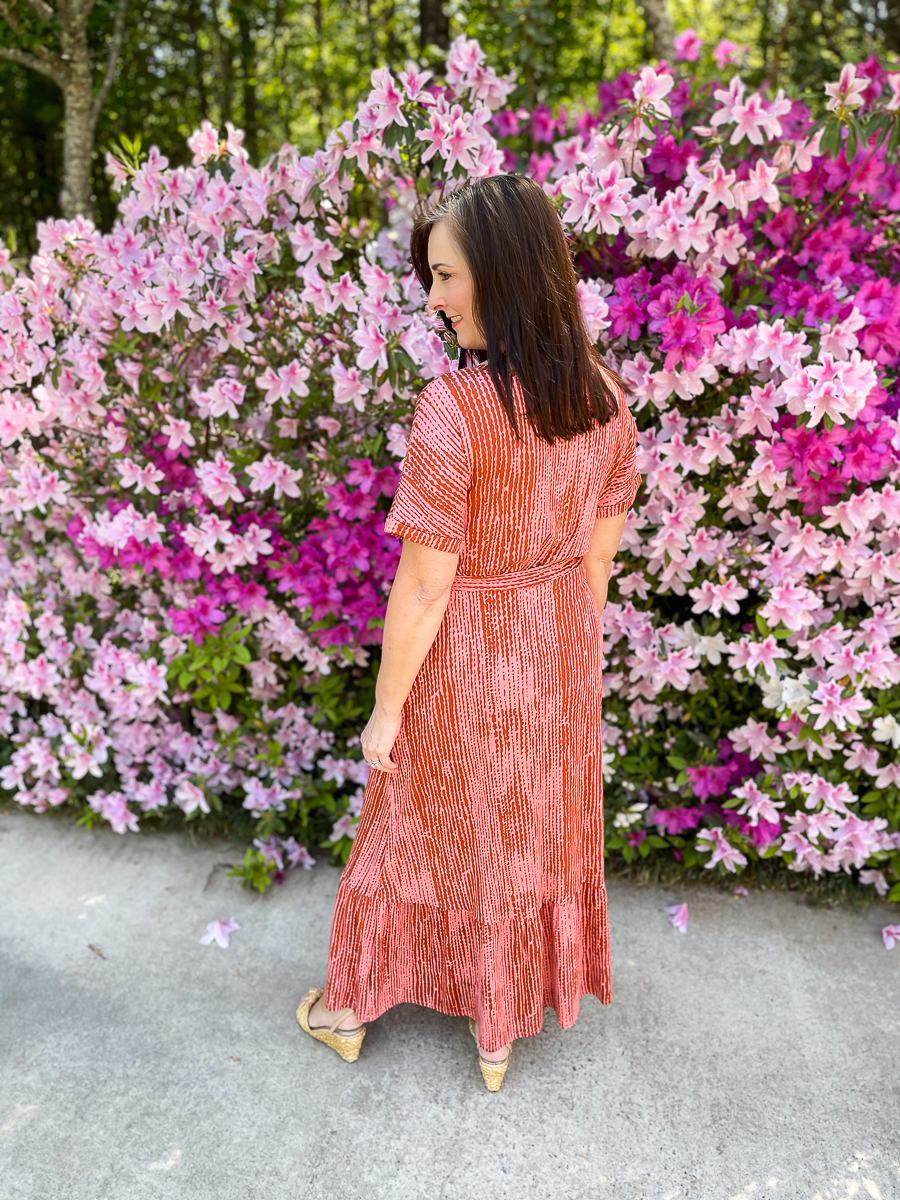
255 871
210 672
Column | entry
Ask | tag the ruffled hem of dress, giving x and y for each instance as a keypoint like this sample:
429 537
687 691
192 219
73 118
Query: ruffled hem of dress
504 975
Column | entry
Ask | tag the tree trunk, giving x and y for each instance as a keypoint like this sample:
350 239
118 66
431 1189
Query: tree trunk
224 68
70 70
248 84
321 75
193 17
390 41
890 27
78 127
661 29
434 24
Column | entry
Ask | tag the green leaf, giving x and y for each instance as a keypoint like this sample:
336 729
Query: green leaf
894 893
852 141
831 138
894 137
242 654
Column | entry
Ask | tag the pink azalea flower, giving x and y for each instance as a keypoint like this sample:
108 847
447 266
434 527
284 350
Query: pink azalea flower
219 932
848 91
687 46
651 87
458 145
722 850
435 134
178 432
345 826
217 480
387 98
269 472
189 797
890 933
414 81
876 879
726 52
678 916
298 856
141 478
373 347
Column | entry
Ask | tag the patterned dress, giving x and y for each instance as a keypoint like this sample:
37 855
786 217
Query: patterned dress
475 885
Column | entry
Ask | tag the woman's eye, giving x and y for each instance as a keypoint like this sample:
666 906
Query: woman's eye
443 276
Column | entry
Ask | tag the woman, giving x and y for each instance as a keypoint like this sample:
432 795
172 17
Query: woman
475 885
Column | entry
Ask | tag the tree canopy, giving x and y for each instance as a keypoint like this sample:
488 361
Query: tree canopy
290 70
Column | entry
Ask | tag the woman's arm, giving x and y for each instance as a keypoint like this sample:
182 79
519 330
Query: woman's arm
415 609
599 559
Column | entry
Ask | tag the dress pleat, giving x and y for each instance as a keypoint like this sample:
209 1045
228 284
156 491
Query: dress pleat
475 885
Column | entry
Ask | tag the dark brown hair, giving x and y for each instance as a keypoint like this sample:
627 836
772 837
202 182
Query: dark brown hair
526 303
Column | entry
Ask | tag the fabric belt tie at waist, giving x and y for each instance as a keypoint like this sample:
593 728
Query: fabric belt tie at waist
527 577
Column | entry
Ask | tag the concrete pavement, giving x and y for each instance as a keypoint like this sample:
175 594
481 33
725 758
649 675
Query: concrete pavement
755 1056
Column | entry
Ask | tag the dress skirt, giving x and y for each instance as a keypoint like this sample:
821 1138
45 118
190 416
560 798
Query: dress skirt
475 885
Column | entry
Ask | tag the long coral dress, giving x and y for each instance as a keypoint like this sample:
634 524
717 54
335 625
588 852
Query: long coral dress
475 885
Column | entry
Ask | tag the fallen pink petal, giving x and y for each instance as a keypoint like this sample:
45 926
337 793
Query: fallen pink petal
678 915
889 934
220 932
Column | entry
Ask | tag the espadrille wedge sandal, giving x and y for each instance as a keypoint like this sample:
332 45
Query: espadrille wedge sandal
493 1072
347 1044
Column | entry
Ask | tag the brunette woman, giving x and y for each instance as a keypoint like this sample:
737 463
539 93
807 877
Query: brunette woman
475 886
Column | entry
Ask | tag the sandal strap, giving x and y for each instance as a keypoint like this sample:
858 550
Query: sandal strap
342 1016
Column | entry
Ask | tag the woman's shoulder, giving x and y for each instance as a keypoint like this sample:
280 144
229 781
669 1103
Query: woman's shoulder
457 385
476 373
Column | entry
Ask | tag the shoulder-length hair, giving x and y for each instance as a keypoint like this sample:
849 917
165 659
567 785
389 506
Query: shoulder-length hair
526 303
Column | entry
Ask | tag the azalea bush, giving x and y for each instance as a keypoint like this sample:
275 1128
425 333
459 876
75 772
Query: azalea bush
204 411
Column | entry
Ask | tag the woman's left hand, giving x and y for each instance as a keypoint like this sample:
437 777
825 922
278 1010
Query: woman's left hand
378 739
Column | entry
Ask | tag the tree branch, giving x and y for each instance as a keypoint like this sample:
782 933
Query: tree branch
6 13
43 10
50 65
42 60
112 61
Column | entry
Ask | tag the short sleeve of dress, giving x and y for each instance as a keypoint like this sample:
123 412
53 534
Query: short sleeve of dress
430 506
622 484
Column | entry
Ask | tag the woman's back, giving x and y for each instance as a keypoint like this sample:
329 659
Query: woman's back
505 504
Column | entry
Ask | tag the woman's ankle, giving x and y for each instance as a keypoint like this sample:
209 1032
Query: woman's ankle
495 1056
324 1014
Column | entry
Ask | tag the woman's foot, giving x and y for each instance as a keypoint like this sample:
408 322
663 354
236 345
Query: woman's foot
493 1056
320 1017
